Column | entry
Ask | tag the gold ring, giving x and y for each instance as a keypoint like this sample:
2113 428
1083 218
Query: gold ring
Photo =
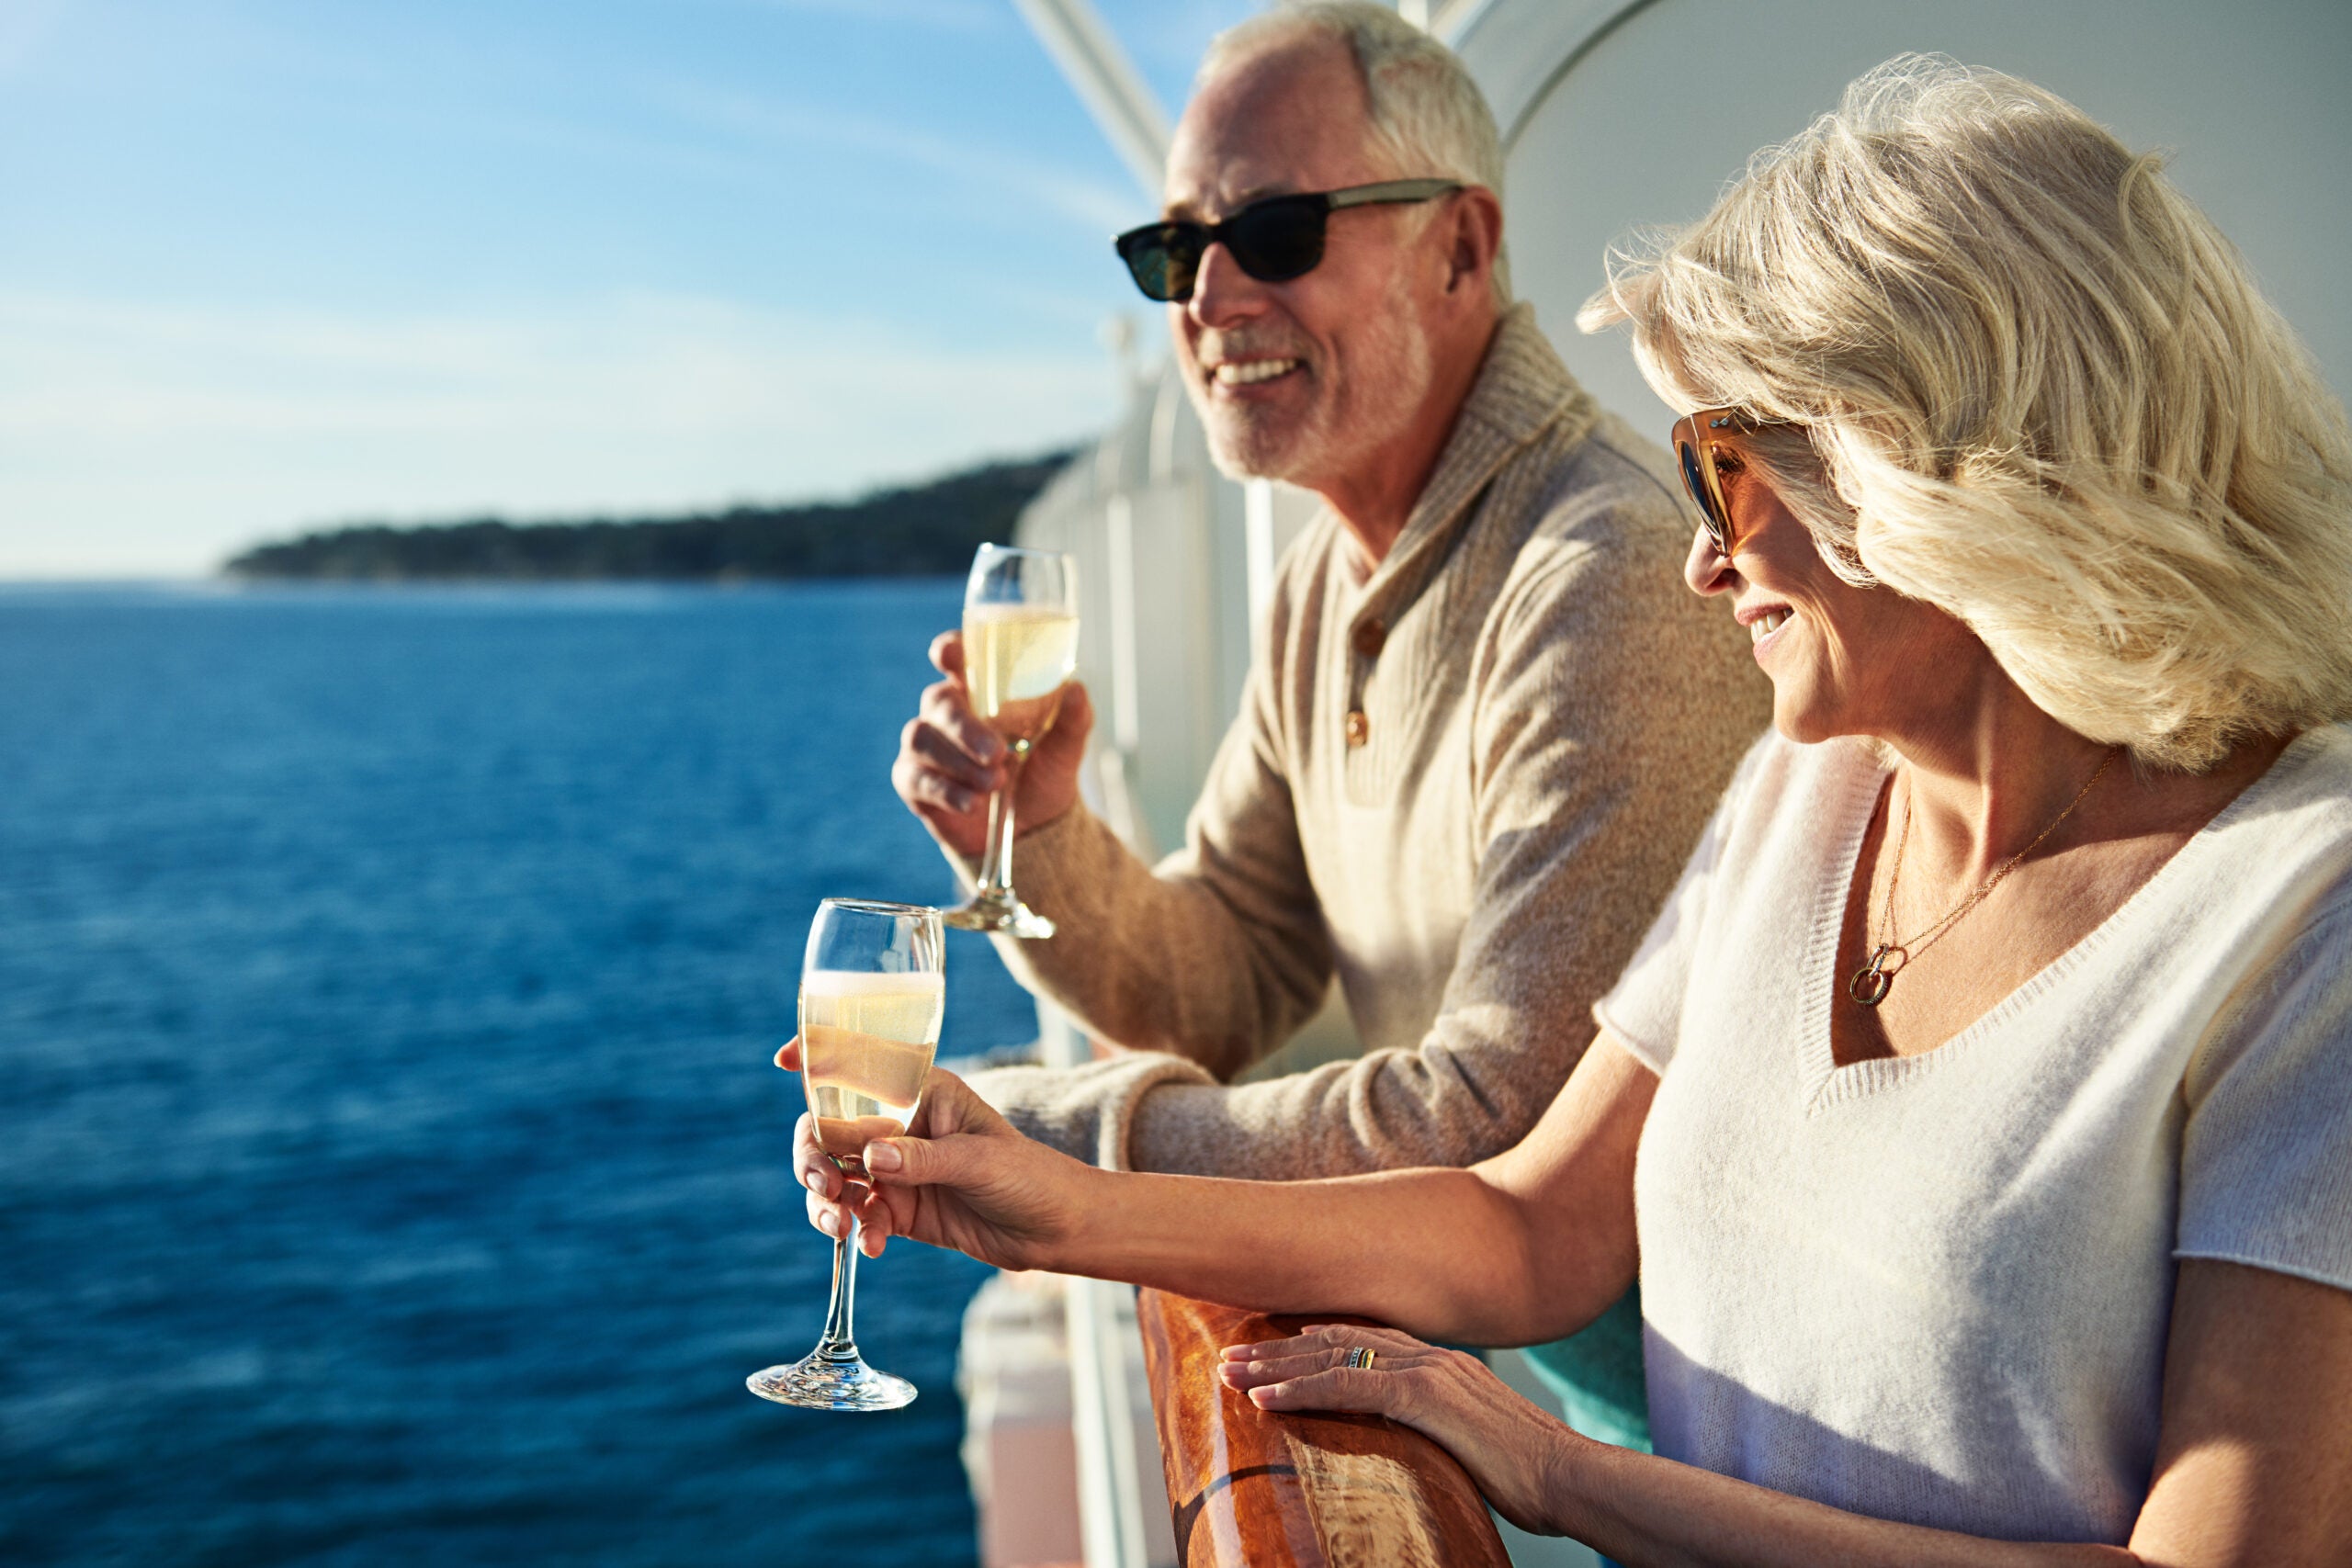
1359 1357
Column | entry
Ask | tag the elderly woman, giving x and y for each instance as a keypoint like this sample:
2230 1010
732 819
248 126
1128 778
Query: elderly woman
1979 1110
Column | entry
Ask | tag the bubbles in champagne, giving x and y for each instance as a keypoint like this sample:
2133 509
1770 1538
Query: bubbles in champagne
866 1041
1016 658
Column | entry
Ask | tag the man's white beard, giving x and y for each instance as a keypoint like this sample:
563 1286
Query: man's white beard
1347 425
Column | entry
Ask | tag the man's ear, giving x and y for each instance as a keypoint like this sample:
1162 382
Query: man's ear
1474 236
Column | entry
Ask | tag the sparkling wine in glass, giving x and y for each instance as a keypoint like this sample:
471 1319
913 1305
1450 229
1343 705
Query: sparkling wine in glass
1019 648
872 997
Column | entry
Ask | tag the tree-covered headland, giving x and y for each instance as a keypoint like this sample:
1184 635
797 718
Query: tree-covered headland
926 529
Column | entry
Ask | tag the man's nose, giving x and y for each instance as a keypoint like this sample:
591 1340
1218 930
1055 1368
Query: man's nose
1704 569
1222 293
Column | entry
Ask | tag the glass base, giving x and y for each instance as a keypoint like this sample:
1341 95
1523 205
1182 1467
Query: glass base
998 910
819 1382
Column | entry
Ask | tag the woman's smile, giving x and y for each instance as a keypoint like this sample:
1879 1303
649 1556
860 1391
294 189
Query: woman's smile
1764 623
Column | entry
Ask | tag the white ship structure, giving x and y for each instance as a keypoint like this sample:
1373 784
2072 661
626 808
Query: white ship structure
1615 114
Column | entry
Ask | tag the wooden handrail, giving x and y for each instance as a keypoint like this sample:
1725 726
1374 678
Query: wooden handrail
1249 1486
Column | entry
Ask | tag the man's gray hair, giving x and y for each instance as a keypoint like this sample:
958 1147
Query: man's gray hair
1428 116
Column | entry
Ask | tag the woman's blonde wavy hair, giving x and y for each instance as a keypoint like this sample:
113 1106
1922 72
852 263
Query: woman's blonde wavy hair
2043 394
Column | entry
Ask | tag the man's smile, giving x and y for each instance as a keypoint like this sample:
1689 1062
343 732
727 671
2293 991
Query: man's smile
1251 372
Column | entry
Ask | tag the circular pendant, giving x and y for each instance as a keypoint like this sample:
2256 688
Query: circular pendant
1874 980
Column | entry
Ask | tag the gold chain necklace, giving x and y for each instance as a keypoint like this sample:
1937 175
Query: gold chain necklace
1875 978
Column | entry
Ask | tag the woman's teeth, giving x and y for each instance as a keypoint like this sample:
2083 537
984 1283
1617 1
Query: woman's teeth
1245 372
1765 624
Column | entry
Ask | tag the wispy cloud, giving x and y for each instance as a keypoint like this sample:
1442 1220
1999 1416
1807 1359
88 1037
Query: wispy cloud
146 436
947 15
1100 205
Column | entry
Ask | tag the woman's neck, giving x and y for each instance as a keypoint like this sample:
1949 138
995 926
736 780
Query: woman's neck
1985 778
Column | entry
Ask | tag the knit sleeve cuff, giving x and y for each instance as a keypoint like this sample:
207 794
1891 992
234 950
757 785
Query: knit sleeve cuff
1085 1112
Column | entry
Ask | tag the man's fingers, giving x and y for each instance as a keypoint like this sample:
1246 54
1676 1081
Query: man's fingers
934 798
934 790
787 1055
947 653
946 709
1075 719
937 752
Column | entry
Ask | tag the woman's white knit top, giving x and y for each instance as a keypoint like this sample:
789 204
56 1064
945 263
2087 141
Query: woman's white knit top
1936 1288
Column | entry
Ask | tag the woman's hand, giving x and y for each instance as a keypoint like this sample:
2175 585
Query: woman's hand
961 1177
1507 1445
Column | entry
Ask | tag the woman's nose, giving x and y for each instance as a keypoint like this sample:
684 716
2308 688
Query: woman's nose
1706 569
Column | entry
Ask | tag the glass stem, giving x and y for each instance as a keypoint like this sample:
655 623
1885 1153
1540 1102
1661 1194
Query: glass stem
996 858
839 1344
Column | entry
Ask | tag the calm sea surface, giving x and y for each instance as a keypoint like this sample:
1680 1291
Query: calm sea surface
391 1167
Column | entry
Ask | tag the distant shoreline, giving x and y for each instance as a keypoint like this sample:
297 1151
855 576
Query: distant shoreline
913 531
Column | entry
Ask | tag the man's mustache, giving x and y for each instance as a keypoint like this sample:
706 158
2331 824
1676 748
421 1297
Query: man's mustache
1221 349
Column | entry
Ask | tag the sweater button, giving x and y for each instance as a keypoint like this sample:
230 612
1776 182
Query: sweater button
1369 638
1359 726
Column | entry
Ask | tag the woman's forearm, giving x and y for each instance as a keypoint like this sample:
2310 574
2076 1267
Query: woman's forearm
1526 1247
1440 1253
1640 1508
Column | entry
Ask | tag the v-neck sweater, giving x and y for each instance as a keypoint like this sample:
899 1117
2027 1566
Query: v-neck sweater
1936 1288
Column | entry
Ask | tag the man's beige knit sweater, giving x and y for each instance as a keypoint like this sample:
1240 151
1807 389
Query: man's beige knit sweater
1463 781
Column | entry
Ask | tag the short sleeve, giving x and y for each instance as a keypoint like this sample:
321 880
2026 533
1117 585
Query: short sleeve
1644 1009
2265 1169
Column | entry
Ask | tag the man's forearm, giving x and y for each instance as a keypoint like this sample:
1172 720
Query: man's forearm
1166 959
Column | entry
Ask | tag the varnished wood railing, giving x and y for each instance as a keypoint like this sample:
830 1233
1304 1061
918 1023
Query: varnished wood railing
1250 1487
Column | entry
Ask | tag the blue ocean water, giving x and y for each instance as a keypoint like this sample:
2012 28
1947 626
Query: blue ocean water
390 1165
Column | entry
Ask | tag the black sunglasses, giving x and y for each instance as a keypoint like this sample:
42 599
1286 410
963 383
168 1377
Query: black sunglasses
1273 241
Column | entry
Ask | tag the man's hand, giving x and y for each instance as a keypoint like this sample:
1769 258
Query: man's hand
950 762
961 1177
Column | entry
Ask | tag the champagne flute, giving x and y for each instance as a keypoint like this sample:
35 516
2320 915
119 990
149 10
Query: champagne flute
1019 648
872 997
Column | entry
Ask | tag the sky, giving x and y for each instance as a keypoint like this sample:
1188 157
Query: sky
273 265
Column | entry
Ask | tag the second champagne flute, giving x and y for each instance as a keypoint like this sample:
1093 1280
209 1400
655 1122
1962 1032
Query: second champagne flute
872 997
1020 649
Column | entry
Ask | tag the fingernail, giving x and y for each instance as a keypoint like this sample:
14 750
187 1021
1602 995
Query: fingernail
959 800
882 1156
828 1222
815 1183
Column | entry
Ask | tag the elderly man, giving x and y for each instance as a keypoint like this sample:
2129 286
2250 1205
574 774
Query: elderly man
1487 725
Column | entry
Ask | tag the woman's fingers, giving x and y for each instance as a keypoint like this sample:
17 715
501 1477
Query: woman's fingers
834 1205
1314 1370
812 1166
787 1055
1325 1336
1378 1392
1279 1361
